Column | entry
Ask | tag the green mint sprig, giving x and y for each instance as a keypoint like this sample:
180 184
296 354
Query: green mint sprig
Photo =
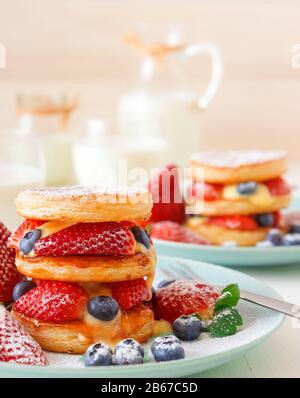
225 322
226 317
229 297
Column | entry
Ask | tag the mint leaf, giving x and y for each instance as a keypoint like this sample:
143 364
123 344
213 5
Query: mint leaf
224 301
225 322
229 297
234 289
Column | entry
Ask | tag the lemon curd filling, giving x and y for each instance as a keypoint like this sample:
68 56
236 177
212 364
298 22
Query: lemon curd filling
51 227
261 197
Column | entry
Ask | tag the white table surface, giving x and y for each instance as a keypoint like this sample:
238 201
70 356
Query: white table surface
279 356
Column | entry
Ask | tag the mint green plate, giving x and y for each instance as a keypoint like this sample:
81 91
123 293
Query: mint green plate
233 256
230 256
203 354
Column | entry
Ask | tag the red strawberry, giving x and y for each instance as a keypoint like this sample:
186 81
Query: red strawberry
26 226
168 203
183 298
241 223
16 345
130 293
53 301
9 276
205 191
168 230
106 238
277 219
278 186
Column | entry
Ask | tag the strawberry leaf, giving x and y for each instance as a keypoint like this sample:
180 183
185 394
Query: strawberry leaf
225 322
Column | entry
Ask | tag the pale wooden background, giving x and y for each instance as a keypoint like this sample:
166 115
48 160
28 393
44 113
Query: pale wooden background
75 45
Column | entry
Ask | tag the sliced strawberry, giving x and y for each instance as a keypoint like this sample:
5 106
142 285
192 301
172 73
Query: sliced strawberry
168 202
106 238
168 230
16 345
184 298
241 223
53 301
278 187
130 293
9 275
205 191
17 235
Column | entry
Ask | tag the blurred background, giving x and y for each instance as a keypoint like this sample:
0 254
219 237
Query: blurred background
76 95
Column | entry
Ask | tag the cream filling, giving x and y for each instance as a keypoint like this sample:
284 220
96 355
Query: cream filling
51 227
260 198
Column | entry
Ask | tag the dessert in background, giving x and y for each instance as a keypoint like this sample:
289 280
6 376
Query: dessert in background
243 193
91 265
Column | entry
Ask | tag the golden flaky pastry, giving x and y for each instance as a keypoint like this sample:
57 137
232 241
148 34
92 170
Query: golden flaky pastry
85 204
88 268
226 167
75 337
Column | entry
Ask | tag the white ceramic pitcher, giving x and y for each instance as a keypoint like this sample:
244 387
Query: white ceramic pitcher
163 101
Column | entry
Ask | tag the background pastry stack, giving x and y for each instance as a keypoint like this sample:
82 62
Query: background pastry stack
91 265
237 195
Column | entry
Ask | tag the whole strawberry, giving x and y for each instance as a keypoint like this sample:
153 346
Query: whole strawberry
9 276
172 231
53 301
184 298
168 202
16 345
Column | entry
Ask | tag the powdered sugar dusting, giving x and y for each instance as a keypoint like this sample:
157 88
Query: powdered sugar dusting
235 159
85 192
16 345
128 356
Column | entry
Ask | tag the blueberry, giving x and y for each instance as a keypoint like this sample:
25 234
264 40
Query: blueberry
29 239
295 228
22 288
99 354
291 240
247 188
164 283
275 237
164 339
168 351
128 355
265 220
131 343
141 236
264 244
104 308
187 327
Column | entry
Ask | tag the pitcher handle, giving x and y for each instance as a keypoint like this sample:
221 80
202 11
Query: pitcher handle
217 69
